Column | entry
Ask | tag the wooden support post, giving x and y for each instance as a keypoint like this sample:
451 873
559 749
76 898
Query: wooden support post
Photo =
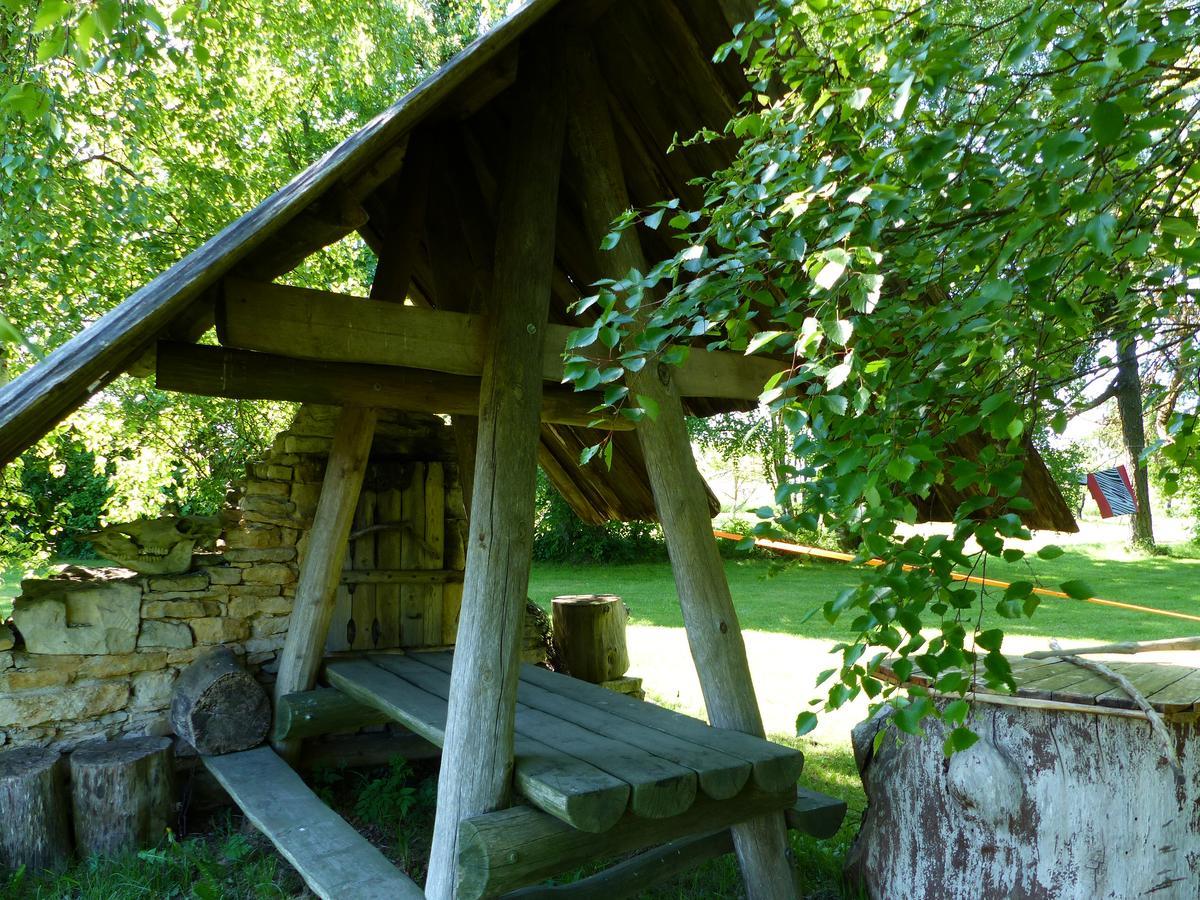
477 761
321 568
714 634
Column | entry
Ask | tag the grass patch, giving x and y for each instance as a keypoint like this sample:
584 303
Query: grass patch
225 864
778 595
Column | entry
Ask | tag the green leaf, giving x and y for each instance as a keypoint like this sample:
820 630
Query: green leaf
50 13
831 269
990 639
1078 589
805 722
649 404
1050 551
959 739
901 468
840 331
1108 121
610 240
837 376
761 339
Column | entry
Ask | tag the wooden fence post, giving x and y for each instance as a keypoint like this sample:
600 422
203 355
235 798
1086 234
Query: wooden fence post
476 772
713 631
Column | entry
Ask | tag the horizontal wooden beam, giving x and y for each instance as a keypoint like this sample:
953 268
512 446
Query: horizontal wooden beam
402 576
245 375
321 711
319 325
511 848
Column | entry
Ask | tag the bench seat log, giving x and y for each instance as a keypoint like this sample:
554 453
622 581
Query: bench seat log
323 711
720 776
515 847
813 814
334 860
572 790
658 786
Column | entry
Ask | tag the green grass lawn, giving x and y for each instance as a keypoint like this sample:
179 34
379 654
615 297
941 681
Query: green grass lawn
776 596
771 596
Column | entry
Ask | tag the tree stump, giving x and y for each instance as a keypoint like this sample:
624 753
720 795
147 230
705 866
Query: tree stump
589 631
218 707
35 829
122 794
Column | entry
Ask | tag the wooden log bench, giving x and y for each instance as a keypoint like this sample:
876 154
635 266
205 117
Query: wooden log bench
598 775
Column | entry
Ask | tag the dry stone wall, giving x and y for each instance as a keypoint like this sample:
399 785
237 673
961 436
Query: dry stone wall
95 652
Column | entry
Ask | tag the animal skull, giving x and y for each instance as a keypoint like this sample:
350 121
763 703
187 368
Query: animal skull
155 546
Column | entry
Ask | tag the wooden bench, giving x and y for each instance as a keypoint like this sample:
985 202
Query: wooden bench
333 859
599 775
583 754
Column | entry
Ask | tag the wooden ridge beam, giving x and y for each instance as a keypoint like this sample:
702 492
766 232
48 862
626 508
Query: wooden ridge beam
319 325
247 375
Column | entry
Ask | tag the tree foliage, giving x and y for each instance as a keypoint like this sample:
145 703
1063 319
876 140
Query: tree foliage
133 130
934 208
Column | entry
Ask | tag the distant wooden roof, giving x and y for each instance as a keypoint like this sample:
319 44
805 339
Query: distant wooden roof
429 162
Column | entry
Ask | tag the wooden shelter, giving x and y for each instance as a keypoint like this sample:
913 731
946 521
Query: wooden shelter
485 194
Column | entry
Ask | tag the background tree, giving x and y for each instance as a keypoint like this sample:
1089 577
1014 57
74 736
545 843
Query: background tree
932 207
128 137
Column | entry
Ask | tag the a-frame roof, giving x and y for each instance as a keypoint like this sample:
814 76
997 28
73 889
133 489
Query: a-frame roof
431 165
657 56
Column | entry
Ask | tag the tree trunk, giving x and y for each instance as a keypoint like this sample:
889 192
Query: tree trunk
1129 406
589 632
122 794
218 707
679 493
477 760
35 829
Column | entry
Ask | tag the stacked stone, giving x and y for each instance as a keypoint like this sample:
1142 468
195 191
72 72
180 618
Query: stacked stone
97 651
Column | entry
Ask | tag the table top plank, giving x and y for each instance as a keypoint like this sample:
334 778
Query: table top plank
570 789
658 787
774 767
720 776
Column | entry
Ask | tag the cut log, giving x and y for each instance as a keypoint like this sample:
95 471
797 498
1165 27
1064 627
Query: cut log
476 773
589 631
505 850
323 711
35 829
680 497
814 814
218 707
122 795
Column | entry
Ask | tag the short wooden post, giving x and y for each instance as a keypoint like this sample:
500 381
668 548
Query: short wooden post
122 794
589 632
321 568
35 828
477 759
713 631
